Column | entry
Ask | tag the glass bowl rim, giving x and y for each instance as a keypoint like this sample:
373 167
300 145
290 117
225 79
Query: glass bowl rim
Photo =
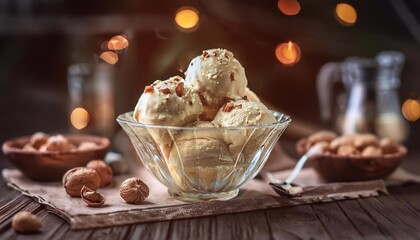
281 118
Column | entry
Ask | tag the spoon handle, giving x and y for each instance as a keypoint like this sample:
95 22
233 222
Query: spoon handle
299 165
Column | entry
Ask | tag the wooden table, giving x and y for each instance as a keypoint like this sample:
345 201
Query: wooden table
395 216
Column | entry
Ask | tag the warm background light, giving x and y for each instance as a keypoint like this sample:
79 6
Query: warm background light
289 7
411 109
117 43
109 57
288 53
79 118
345 14
187 18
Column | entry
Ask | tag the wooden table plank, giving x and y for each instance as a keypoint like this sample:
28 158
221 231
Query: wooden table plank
386 219
247 225
299 222
335 221
201 228
157 230
365 225
112 233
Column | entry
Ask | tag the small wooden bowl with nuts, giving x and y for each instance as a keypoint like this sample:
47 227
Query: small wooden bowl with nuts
358 157
46 158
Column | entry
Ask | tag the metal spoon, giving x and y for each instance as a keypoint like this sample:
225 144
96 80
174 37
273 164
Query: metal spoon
287 188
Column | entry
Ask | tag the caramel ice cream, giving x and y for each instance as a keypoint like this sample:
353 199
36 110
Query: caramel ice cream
217 76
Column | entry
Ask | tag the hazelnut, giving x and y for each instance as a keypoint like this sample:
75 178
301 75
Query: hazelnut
104 171
347 150
388 146
87 146
134 191
26 222
38 139
343 140
74 179
91 197
372 151
363 140
29 148
57 143
322 136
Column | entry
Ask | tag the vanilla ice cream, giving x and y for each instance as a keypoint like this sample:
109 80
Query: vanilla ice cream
244 113
217 76
167 103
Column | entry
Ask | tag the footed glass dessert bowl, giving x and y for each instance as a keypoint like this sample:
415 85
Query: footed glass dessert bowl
203 163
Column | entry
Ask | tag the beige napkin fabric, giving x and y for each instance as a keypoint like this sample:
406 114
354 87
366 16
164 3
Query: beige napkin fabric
256 194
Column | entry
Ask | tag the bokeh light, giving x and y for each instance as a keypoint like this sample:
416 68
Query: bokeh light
117 43
288 53
289 7
79 118
345 14
109 57
411 109
187 19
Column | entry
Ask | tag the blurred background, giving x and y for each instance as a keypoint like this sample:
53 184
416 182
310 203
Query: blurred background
75 65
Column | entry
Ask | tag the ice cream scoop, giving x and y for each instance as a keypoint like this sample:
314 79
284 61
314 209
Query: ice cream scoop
171 103
217 76
250 95
244 113
167 103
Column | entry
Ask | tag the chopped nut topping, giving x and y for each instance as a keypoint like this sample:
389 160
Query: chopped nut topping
177 79
228 54
228 107
167 100
215 53
238 106
148 89
232 77
165 90
245 98
190 102
205 54
179 89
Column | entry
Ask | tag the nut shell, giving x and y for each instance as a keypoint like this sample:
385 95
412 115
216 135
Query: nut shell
75 178
26 222
104 171
91 197
38 139
134 191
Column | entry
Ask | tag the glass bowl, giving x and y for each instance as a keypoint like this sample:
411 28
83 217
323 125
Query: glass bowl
203 163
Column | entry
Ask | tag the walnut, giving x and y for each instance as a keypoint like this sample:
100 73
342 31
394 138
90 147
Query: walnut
228 107
26 222
87 146
134 191
38 139
91 197
148 89
104 171
372 151
179 89
74 179
343 140
29 148
165 90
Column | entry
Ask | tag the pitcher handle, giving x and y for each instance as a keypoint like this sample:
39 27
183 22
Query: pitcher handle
328 74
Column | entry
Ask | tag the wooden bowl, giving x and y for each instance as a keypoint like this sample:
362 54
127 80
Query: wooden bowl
335 168
51 166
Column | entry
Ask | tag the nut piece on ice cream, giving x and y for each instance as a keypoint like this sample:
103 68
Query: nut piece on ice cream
167 103
244 113
217 76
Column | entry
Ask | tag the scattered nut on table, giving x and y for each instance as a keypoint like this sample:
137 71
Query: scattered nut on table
134 191
91 197
104 171
75 178
26 222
